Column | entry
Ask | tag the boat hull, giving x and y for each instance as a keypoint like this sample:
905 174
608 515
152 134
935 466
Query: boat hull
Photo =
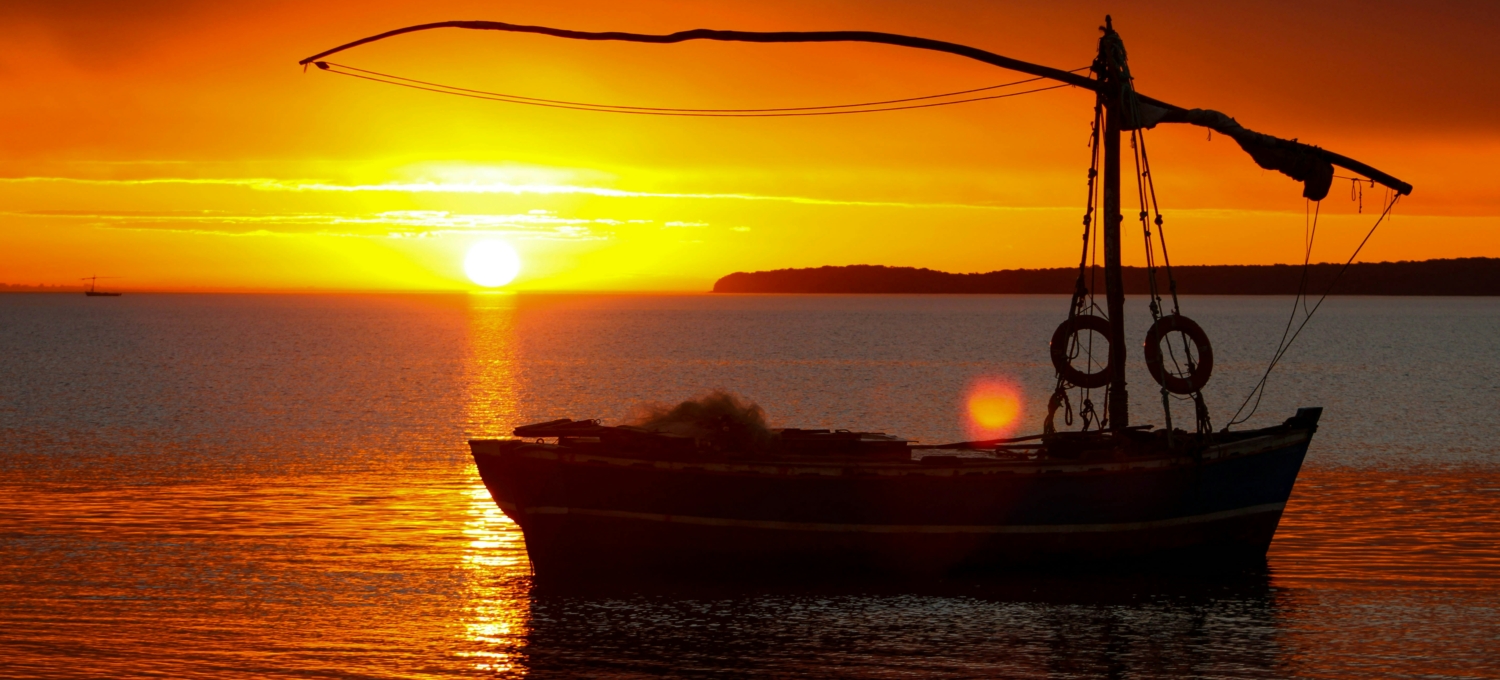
593 513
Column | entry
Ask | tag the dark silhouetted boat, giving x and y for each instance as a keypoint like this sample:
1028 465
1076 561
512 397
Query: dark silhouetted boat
93 291
720 502
600 500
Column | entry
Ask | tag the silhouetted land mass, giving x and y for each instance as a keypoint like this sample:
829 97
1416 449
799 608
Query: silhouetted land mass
1463 276
40 288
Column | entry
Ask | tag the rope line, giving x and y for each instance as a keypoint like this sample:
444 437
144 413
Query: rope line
1309 233
1309 236
693 113
682 110
1259 390
1083 299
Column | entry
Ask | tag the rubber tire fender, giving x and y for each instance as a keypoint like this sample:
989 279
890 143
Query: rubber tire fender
1065 332
1155 364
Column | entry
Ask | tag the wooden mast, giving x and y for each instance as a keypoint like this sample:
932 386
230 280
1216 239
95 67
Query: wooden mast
1111 73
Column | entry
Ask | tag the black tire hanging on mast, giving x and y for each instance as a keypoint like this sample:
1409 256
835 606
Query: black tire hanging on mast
1198 371
1062 342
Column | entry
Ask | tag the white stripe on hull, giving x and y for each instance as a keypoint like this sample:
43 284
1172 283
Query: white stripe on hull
907 528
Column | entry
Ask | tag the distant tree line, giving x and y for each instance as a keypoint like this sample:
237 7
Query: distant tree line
39 288
1462 276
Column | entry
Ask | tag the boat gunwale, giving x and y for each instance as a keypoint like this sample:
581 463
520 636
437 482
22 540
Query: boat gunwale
950 467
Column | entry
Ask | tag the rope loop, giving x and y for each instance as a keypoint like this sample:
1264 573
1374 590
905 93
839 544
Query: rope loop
1089 415
1059 400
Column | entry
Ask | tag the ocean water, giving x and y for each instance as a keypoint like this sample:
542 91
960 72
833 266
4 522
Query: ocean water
206 486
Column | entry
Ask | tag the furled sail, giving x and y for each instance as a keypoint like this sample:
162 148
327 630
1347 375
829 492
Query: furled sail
1303 162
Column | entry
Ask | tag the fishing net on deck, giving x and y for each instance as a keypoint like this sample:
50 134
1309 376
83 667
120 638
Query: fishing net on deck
726 421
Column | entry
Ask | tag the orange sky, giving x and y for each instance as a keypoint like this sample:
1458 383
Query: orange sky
176 143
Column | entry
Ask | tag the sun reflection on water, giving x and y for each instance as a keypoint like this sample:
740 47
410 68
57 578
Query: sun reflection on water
497 608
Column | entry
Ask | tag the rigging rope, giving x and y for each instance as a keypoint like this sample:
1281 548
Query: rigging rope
1146 195
828 110
689 110
1259 390
1082 293
1141 175
1091 246
1309 236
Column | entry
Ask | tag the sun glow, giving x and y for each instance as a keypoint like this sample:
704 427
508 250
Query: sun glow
492 263
993 408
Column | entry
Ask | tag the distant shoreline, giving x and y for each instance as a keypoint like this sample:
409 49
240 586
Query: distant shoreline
23 288
1473 276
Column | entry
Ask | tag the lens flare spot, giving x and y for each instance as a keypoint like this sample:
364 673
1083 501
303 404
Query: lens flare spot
492 263
994 407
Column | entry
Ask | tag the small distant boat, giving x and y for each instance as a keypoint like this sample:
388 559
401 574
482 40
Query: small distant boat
594 500
93 291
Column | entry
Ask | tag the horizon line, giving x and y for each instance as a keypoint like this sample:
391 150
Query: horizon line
239 290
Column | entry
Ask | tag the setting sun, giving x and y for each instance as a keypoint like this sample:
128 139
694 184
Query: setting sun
492 263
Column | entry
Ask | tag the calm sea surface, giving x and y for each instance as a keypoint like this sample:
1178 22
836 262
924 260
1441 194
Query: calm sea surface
262 485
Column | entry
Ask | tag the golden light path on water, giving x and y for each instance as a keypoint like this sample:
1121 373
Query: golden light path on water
495 615
496 612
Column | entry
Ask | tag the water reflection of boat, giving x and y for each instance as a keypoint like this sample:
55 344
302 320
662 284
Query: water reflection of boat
594 499
1025 625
